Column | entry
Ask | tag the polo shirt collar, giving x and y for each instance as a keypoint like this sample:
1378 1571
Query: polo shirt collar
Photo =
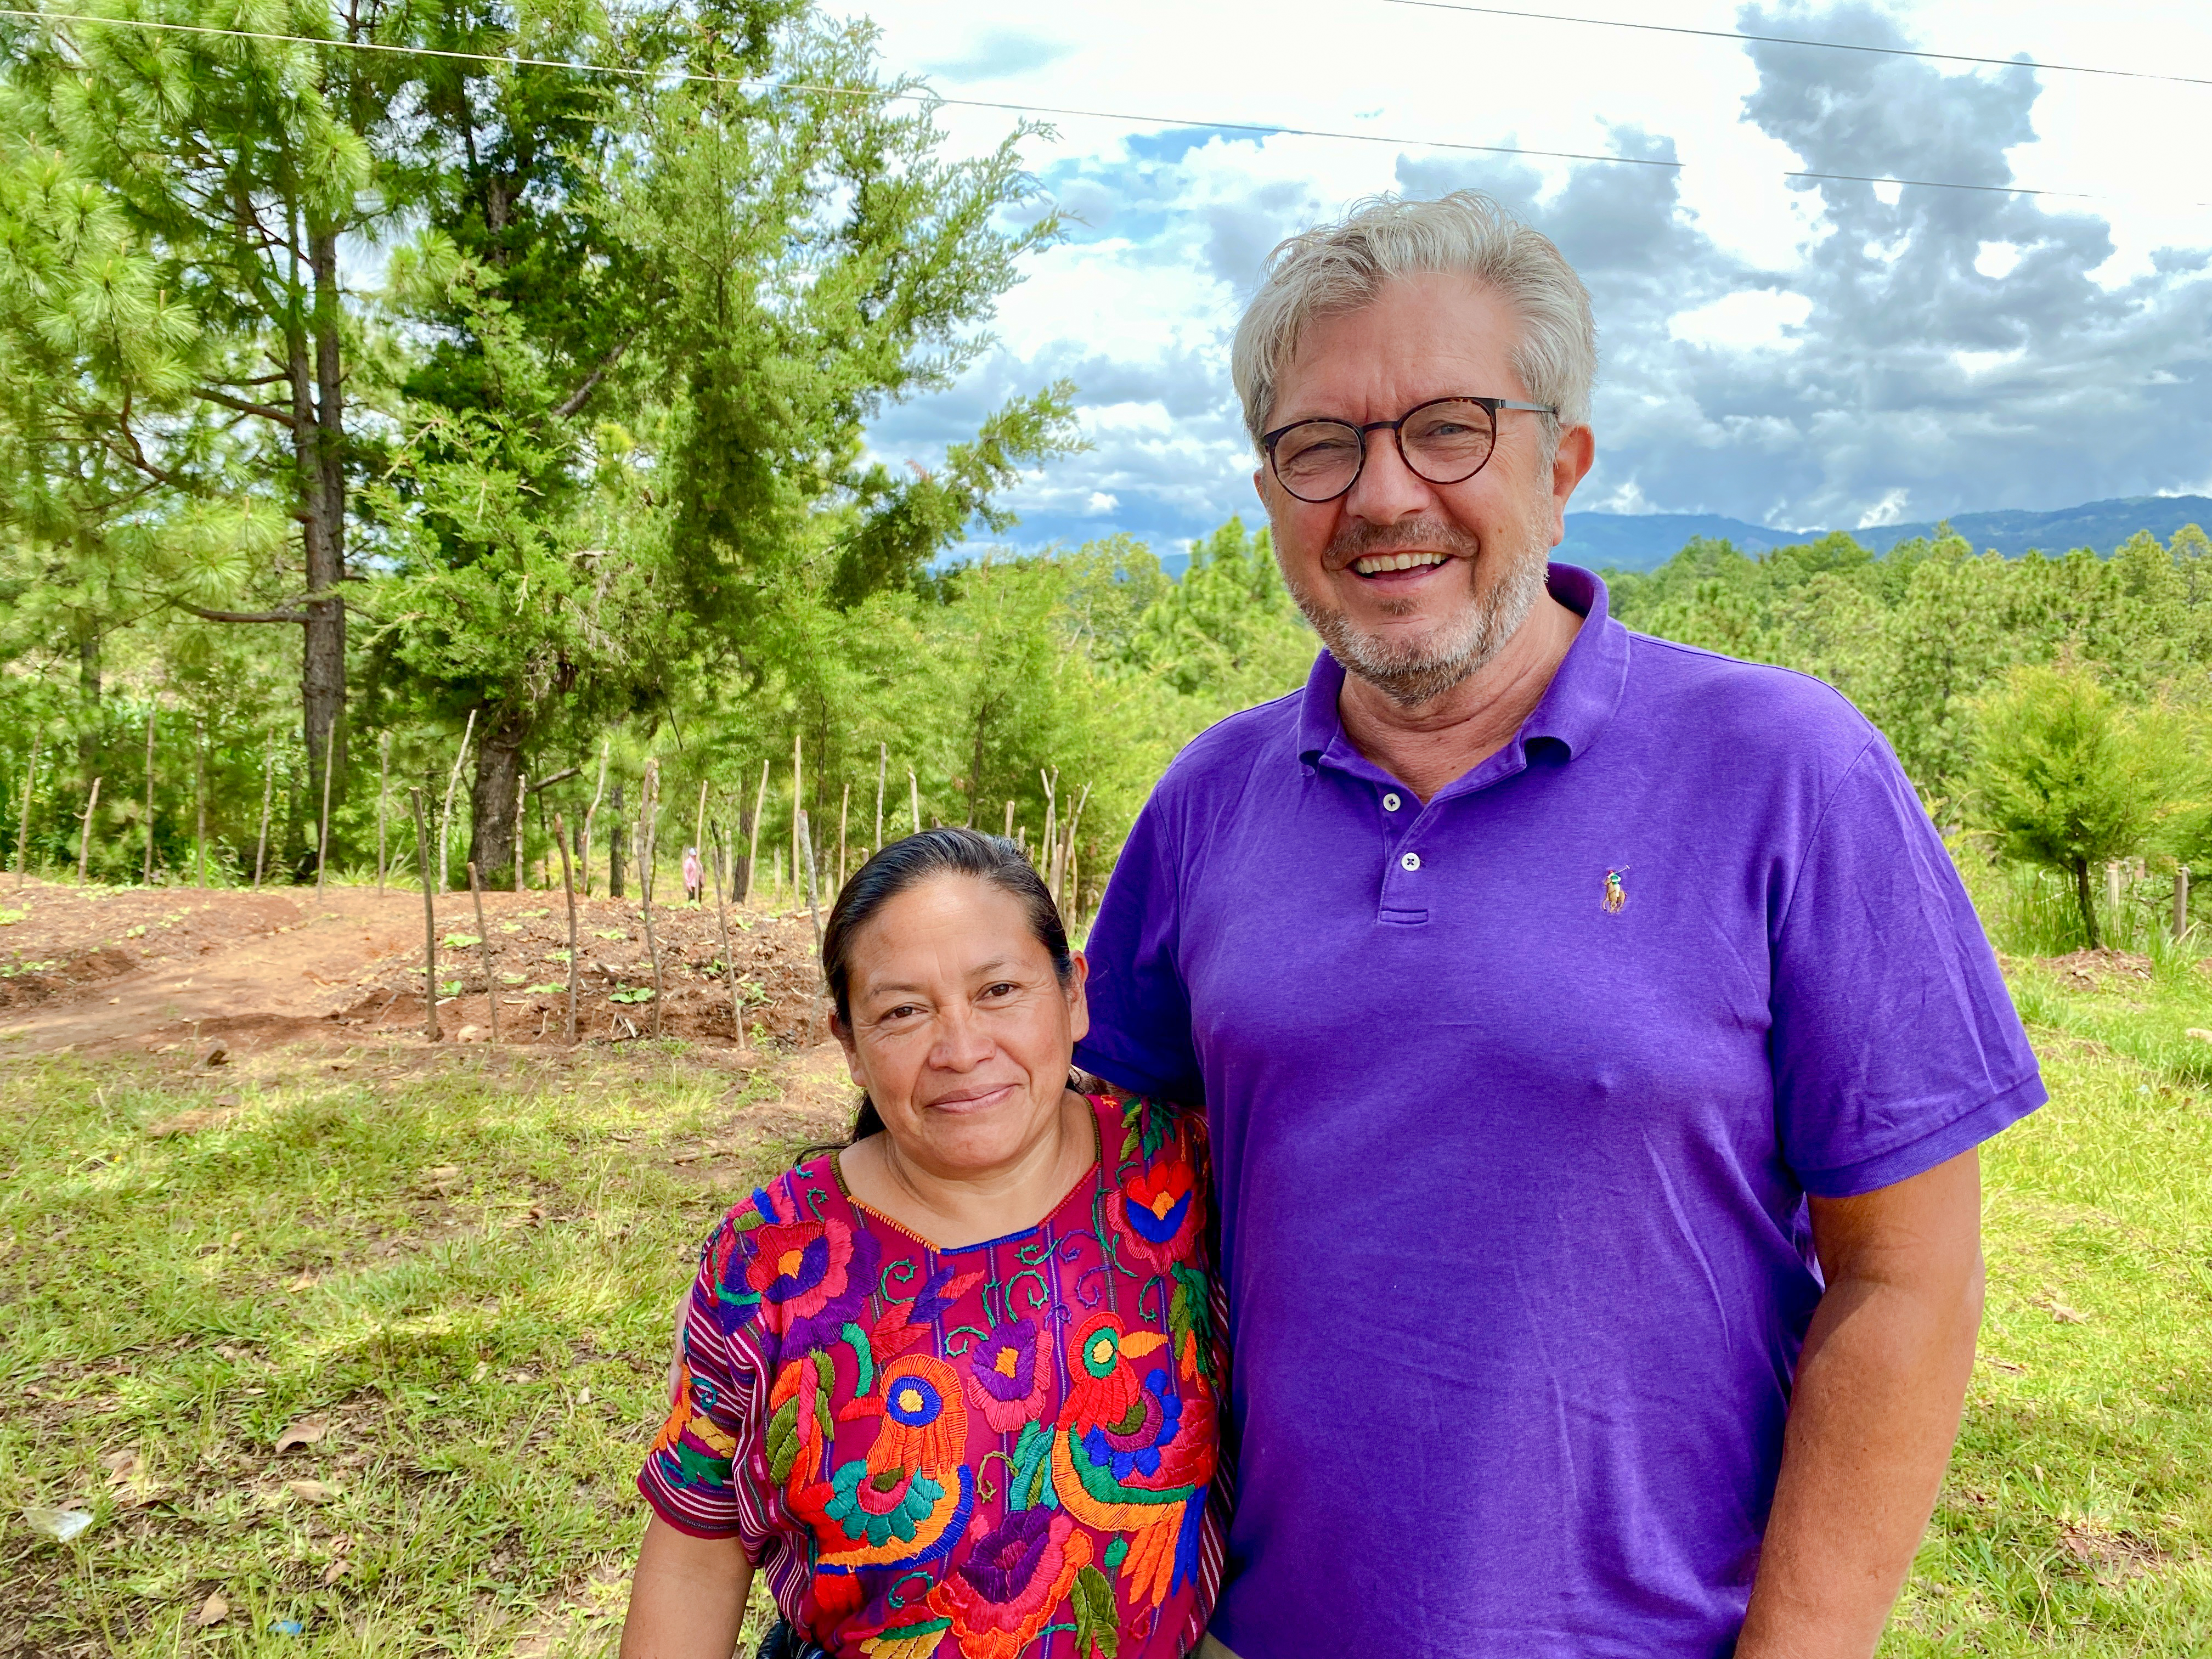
1574 711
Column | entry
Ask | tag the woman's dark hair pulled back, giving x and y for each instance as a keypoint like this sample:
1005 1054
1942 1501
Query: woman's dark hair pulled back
905 865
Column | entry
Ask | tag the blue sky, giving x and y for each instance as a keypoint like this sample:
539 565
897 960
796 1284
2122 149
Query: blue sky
1789 352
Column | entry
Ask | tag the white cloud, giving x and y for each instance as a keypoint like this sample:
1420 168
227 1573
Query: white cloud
1747 321
1889 510
1790 351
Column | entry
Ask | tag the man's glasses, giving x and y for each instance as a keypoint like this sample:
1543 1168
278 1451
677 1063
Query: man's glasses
1446 441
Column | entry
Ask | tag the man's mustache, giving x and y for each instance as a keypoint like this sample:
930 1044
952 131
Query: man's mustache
1362 541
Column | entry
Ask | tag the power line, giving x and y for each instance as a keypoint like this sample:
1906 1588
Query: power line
1796 41
931 99
1941 184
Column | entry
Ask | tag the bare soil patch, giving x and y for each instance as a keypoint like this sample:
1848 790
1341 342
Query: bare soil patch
162 970
2094 970
2110 1557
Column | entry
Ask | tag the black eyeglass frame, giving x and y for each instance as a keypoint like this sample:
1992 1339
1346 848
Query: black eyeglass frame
1490 406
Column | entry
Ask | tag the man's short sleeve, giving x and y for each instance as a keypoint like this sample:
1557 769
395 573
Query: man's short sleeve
1895 1043
697 1476
1139 1036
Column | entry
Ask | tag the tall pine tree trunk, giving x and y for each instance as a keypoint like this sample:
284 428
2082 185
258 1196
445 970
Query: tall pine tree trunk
319 435
491 795
2082 897
87 692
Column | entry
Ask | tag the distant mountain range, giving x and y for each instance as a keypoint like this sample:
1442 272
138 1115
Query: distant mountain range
1644 541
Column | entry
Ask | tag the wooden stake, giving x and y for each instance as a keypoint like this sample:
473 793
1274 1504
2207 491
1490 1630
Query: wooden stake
913 798
1009 830
729 967
652 810
484 943
699 825
807 863
614 849
446 816
1048 843
797 795
2180 900
146 879
606 747
882 763
383 799
199 793
84 841
844 813
23 834
323 836
429 923
1063 858
568 887
752 847
521 825
268 794
805 844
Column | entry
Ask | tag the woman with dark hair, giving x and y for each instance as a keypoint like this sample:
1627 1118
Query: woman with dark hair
952 1388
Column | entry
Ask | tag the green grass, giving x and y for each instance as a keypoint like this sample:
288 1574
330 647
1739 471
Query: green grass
492 1376
487 1342
2077 1518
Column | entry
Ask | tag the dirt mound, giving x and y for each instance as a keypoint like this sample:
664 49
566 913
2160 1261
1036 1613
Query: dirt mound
157 969
773 953
2090 970
30 983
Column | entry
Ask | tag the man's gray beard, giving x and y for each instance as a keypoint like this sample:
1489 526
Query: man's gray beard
1410 675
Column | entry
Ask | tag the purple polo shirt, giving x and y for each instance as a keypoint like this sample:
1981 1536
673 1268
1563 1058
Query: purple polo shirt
1516 1100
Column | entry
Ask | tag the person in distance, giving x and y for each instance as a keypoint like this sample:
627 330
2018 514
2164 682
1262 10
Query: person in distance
951 1388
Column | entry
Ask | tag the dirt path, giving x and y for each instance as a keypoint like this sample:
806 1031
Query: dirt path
148 969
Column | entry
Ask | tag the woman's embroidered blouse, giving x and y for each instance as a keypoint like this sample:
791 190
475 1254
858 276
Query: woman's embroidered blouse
1008 1448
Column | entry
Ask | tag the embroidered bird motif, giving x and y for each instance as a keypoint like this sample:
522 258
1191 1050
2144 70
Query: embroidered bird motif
1134 1454
908 1499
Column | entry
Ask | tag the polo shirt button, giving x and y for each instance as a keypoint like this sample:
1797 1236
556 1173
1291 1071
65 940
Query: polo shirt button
1409 861
1390 803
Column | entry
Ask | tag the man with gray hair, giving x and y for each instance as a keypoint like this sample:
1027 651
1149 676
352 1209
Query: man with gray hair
1594 1034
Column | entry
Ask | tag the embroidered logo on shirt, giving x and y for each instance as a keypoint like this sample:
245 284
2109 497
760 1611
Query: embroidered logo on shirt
1615 894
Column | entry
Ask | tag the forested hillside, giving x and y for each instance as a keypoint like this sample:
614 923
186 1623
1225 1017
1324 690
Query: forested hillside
2059 706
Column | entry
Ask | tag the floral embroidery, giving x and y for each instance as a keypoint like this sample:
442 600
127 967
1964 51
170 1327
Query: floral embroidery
1009 1378
812 1278
1003 1452
1159 1206
1015 1576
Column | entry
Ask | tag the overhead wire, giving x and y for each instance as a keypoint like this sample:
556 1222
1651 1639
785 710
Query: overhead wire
1741 35
932 99
770 84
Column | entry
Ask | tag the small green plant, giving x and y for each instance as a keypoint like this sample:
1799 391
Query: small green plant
633 993
8 918
460 941
2070 779
545 990
450 987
